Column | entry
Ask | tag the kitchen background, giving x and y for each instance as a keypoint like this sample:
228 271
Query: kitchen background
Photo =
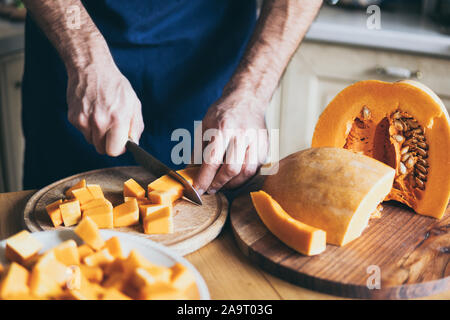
339 49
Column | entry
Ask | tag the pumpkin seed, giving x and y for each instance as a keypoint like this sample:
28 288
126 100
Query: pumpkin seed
405 157
420 184
410 162
398 125
397 115
410 142
398 138
421 168
422 144
412 123
404 150
422 162
421 152
420 175
402 168
365 113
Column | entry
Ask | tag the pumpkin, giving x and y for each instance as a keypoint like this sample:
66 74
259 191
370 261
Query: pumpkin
331 189
297 235
402 124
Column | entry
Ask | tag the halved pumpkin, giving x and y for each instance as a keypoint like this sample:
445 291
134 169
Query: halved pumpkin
403 124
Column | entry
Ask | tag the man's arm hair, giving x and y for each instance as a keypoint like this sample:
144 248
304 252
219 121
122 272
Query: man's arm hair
279 31
77 46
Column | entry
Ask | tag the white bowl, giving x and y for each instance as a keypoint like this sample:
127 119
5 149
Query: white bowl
154 252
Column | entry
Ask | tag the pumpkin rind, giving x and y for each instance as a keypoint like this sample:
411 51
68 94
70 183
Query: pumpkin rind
430 194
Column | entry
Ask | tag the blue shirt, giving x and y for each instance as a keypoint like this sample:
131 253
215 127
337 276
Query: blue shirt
177 54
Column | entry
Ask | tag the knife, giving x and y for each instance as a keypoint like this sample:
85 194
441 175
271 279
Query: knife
159 169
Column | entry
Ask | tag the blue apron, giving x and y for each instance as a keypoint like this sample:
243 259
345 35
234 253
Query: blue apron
177 54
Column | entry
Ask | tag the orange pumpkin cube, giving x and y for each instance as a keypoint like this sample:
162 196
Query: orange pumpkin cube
161 291
93 274
96 203
83 195
114 294
181 277
98 259
84 250
126 214
54 213
14 282
88 231
70 212
67 253
114 247
96 191
22 247
159 222
147 209
102 216
132 189
165 197
80 184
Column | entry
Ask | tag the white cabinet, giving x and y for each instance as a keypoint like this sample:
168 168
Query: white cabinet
318 71
12 142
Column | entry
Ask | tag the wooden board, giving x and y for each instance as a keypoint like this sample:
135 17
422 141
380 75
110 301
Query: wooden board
411 252
194 226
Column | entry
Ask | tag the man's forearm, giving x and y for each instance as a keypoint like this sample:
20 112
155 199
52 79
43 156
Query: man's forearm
78 47
279 31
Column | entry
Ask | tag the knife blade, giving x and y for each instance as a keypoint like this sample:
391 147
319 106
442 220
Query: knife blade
159 169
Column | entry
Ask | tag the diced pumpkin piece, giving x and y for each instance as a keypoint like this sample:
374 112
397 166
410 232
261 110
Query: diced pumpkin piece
114 294
114 247
297 235
83 195
54 213
80 184
42 285
147 209
165 197
181 277
126 214
96 203
93 274
88 231
84 250
117 266
102 216
161 291
99 259
86 291
70 212
117 281
52 268
141 278
136 260
96 191
67 253
14 282
159 222
22 247
331 189
132 189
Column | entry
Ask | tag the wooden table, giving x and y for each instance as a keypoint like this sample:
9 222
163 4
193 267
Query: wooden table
226 271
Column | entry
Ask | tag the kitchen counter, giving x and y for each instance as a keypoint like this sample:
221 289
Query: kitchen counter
399 31
227 272
12 37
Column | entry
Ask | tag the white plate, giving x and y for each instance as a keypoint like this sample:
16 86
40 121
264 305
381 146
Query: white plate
156 253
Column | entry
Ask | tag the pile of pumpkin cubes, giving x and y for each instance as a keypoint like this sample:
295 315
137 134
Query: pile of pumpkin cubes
96 269
155 211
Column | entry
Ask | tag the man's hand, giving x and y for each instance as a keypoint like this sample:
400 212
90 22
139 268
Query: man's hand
239 144
104 107
280 29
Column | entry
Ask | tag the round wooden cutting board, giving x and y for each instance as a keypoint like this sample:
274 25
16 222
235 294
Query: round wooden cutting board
408 252
194 225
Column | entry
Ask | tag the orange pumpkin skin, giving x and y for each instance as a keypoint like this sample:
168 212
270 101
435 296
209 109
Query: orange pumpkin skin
377 119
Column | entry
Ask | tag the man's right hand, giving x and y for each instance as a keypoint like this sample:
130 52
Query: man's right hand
104 107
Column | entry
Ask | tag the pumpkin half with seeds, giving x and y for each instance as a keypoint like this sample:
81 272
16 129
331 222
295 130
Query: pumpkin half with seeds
403 124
